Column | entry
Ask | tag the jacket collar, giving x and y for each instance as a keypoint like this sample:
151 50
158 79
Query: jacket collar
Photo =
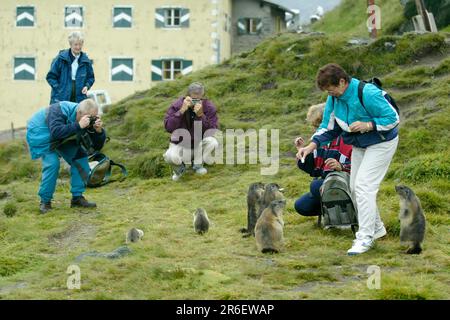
66 55
351 90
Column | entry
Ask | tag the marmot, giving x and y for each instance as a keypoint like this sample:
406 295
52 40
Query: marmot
412 220
254 195
134 235
201 221
269 228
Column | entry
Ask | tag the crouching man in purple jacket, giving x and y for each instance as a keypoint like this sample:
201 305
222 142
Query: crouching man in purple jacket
187 144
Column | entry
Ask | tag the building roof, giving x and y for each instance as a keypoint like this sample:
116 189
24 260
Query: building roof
279 6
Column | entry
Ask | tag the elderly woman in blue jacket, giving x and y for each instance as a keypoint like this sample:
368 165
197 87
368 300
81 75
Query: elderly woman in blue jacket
53 132
71 74
371 128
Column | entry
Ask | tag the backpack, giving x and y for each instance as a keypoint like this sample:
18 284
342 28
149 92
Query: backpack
337 205
101 167
379 85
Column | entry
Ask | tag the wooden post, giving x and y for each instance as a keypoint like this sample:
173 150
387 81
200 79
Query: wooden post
373 31
422 10
12 131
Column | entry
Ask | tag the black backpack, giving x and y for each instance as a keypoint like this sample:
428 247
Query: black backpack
337 205
379 85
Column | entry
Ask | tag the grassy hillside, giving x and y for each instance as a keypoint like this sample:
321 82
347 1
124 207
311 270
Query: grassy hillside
270 87
350 18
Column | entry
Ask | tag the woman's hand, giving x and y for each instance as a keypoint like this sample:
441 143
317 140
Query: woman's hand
299 142
359 126
303 152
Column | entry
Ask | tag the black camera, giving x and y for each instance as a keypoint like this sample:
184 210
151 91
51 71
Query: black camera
195 101
92 120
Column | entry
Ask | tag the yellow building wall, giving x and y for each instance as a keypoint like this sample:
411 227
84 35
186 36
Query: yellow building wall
19 99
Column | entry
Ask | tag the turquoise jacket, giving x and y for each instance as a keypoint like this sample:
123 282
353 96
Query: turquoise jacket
341 112
39 136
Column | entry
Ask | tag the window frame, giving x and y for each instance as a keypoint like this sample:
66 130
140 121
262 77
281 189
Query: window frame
121 81
34 15
172 69
83 11
132 16
24 57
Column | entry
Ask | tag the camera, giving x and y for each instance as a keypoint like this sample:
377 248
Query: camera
195 101
92 120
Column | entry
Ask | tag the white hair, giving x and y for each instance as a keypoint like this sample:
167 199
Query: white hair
87 106
196 87
75 36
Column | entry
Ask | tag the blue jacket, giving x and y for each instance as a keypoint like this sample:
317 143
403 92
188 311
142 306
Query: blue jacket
341 112
60 77
56 123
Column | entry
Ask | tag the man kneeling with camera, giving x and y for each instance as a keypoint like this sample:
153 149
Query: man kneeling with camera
71 131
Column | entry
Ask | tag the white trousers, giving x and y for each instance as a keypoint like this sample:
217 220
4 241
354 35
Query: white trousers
369 166
176 154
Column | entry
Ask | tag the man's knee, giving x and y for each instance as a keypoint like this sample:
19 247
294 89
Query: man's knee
172 156
210 143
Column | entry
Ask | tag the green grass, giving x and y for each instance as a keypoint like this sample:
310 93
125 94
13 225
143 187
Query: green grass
172 262
350 18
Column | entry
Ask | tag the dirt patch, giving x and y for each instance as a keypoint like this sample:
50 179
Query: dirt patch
76 235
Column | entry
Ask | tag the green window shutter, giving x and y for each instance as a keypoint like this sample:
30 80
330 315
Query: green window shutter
187 67
25 16
122 69
160 18
73 17
156 70
242 26
122 17
24 68
259 25
185 16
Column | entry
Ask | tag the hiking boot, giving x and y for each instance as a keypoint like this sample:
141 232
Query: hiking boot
360 246
81 202
379 233
178 172
45 207
199 169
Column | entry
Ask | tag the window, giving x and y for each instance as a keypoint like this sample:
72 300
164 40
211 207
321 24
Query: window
121 69
122 17
73 17
169 69
24 68
172 18
25 16
249 26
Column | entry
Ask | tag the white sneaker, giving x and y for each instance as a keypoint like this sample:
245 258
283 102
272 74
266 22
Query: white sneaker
360 246
178 172
380 233
199 169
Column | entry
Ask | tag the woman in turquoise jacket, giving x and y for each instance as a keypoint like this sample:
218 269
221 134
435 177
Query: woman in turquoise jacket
372 129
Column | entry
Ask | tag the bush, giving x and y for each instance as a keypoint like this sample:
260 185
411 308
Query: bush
150 166
10 209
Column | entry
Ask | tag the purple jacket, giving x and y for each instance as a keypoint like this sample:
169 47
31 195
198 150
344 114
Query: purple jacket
174 119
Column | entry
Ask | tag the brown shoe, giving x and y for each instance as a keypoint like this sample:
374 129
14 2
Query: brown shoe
45 207
81 202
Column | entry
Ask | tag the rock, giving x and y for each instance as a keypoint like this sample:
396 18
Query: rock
116 254
390 46
358 42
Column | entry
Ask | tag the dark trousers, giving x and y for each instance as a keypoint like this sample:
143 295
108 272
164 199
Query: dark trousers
309 203
73 95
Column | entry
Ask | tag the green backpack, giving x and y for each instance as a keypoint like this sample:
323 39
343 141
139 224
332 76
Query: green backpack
101 167
337 206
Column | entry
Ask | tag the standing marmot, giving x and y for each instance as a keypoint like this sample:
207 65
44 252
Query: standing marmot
201 221
254 195
269 228
412 220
